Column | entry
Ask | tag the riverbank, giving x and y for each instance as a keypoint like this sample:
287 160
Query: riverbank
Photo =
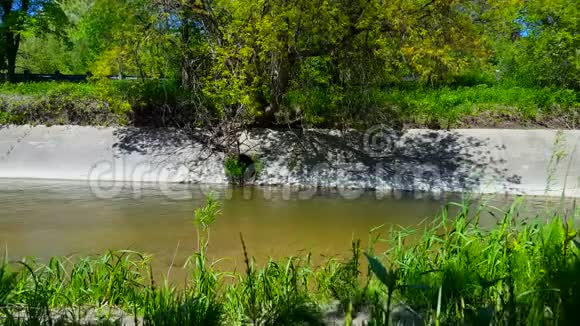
448 272
500 161
164 103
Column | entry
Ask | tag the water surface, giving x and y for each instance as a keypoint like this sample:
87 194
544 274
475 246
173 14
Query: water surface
56 218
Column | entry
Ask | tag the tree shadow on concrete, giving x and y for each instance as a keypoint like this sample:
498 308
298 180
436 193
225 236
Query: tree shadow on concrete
150 140
423 161
411 161
164 141
171 149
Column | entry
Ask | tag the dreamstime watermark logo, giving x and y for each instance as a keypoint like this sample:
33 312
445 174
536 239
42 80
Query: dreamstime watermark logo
109 179
379 141
349 172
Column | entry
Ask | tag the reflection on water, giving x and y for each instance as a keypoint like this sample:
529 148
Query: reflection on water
52 218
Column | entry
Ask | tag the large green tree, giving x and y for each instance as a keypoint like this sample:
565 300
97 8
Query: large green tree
262 51
546 51
18 17
302 58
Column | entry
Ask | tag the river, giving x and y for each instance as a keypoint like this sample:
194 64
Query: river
56 218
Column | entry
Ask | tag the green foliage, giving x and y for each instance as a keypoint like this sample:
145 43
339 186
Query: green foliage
242 168
304 57
8 281
19 19
48 54
206 215
167 307
131 37
333 64
100 102
234 168
203 218
277 294
387 278
520 105
481 105
165 103
548 53
155 103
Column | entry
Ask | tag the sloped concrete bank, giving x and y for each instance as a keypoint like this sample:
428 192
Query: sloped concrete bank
533 162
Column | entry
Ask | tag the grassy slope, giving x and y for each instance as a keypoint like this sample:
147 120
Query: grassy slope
114 103
62 103
497 106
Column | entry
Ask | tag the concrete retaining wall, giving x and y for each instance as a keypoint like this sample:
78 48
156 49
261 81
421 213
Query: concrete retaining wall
535 162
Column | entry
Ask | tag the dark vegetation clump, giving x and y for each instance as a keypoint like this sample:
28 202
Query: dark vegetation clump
242 168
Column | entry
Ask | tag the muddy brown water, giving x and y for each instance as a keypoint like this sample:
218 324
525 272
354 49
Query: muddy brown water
57 218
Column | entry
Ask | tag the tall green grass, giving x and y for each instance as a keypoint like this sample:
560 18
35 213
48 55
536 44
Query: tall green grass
451 107
450 270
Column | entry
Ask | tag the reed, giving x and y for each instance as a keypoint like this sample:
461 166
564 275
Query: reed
448 271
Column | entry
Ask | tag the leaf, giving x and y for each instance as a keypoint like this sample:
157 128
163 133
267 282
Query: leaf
388 279
431 271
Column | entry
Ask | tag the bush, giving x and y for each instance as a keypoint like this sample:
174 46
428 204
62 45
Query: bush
242 168
453 107
443 106
159 103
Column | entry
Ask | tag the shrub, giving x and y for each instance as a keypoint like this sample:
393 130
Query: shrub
443 106
63 103
242 168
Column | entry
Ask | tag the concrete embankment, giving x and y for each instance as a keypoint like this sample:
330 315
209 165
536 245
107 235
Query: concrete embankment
534 162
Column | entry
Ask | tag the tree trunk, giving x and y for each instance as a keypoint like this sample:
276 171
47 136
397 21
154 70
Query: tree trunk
280 79
185 38
12 44
12 34
278 88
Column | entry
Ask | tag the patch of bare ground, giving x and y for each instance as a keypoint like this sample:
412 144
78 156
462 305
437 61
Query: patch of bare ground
506 120
491 119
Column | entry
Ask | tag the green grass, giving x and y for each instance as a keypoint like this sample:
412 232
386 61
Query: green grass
165 103
452 107
101 102
57 103
448 271
519 104
50 88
